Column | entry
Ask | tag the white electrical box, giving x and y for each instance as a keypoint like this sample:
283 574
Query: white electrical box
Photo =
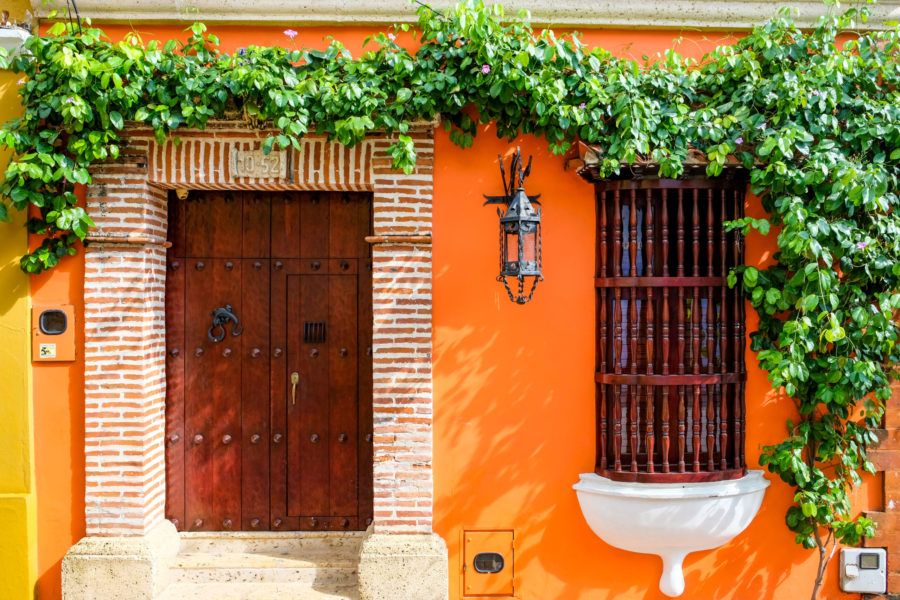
864 570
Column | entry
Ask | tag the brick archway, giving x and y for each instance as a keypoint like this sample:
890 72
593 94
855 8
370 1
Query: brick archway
124 293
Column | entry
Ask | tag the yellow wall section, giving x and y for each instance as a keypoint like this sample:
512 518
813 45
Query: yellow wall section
18 548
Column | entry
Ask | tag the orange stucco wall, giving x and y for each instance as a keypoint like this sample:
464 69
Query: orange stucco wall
513 385
514 403
59 433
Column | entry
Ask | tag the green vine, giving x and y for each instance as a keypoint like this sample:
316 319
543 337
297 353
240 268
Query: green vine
816 121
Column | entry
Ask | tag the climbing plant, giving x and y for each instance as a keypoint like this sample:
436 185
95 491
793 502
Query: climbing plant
816 121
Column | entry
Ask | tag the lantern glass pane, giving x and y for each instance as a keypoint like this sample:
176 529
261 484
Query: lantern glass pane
512 248
529 246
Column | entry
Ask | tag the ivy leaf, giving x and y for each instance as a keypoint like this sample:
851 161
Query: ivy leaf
751 276
115 118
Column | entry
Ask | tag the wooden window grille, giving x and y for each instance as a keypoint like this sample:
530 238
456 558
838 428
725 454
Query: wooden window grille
670 337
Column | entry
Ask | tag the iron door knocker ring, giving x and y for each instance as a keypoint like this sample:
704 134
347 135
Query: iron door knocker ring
221 317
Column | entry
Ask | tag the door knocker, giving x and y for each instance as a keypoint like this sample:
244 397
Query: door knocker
221 317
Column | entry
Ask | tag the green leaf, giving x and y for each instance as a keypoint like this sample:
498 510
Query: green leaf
751 276
116 119
403 95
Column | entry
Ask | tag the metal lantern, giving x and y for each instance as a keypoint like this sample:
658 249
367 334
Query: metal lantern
520 230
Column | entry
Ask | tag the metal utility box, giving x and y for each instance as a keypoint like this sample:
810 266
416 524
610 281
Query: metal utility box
488 563
53 333
864 570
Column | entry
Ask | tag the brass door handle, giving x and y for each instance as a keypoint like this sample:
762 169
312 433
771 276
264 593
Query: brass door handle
295 379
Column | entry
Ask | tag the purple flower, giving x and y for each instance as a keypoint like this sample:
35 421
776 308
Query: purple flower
70 100
815 92
739 141
581 106
290 33
392 37
21 82
762 126
485 69
861 245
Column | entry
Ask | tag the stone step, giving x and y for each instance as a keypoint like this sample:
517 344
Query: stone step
257 591
296 543
311 568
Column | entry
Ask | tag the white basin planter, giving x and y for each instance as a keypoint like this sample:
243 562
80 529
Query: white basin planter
13 38
669 519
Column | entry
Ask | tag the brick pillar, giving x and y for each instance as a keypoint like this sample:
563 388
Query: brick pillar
402 411
402 384
129 542
125 385
401 557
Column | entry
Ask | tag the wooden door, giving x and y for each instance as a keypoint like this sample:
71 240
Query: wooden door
248 448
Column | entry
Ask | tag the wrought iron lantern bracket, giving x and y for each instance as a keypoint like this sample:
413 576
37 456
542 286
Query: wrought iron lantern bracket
520 230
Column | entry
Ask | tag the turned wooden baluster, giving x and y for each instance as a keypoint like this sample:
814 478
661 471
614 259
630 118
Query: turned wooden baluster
604 272
603 425
695 230
633 399
695 331
601 345
666 443
617 272
722 334
681 429
632 235
617 367
649 319
710 427
710 301
650 441
650 315
711 389
710 331
723 427
617 235
632 293
695 432
617 332
617 428
679 241
696 425
603 209
633 421
680 271
665 270
603 341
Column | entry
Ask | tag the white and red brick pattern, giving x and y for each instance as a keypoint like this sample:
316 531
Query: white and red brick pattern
125 315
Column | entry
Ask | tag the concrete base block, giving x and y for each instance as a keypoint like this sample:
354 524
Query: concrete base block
107 568
403 566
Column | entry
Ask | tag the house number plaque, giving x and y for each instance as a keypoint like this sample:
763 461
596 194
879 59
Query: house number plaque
254 163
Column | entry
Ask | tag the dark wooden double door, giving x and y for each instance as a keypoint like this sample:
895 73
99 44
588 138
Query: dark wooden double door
269 427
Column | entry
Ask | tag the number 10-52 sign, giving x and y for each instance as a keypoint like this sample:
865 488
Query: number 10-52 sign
254 163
